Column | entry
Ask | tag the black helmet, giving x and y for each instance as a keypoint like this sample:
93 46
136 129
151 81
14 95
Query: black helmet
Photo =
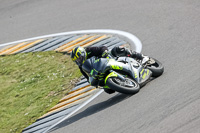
79 55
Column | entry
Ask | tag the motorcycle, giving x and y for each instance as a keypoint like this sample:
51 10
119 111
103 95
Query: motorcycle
122 74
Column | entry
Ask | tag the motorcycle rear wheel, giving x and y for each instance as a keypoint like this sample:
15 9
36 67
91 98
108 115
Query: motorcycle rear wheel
129 86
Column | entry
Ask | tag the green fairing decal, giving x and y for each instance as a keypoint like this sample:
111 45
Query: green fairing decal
115 65
97 60
106 87
112 74
91 72
135 74
146 73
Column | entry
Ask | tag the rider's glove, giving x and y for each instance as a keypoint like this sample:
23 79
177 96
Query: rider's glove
105 54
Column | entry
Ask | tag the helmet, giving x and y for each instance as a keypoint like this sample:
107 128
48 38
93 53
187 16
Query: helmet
79 55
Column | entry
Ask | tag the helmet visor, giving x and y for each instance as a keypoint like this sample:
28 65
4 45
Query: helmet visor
79 61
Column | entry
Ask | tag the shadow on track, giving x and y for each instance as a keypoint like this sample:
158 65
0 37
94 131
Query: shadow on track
93 109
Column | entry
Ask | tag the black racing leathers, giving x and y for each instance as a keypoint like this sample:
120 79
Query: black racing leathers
93 51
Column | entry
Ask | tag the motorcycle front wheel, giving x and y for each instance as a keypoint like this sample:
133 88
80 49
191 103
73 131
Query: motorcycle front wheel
129 86
156 67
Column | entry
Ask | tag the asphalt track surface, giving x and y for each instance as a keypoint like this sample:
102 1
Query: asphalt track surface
169 31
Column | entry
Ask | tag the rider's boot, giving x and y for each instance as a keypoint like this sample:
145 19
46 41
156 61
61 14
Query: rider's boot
122 51
137 56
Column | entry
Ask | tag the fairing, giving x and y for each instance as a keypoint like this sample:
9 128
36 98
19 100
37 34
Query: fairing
98 69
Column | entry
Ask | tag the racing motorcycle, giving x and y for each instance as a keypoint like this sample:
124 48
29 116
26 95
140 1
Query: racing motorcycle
122 74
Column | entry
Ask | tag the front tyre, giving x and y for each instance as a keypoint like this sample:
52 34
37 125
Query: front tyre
156 67
129 86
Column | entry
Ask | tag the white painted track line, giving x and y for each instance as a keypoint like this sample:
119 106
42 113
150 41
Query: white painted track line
136 43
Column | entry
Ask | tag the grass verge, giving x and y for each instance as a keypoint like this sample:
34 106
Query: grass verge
30 84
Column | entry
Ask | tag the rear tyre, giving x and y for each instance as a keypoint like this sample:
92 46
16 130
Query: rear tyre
129 86
156 68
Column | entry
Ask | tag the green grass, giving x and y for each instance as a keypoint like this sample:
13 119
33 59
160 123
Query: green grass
30 84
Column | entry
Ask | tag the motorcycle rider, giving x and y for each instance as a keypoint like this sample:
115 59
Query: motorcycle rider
80 54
